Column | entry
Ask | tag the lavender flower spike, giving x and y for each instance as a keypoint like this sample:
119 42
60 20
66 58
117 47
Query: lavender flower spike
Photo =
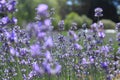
48 43
42 9
35 51
98 12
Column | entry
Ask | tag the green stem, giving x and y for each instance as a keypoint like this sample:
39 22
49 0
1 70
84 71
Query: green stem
18 68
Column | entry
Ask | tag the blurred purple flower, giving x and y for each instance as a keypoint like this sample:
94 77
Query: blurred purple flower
73 35
105 49
61 38
118 37
50 69
42 9
48 43
101 34
77 46
14 20
84 61
89 37
40 23
94 27
5 20
98 12
118 27
100 25
41 35
23 51
61 25
31 74
1 6
35 50
11 6
2 1
7 34
47 22
91 59
12 51
56 70
13 36
37 68
104 65
48 56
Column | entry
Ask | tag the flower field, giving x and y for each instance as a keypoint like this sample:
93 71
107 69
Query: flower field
38 52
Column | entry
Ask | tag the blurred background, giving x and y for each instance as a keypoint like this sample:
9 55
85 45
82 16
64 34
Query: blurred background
78 11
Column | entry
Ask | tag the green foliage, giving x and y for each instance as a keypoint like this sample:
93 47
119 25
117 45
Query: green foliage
72 17
108 24
26 9
63 8
86 20
56 19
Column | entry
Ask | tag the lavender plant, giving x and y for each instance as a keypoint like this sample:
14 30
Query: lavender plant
38 52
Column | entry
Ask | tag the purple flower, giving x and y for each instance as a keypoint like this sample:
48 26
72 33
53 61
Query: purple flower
1 8
31 74
94 27
118 36
23 51
2 1
118 26
7 34
41 35
61 25
48 56
61 38
84 61
48 43
47 22
14 20
42 9
46 66
98 12
104 49
11 6
5 20
12 51
56 70
73 35
37 68
35 50
13 36
101 34
50 69
77 46
89 37
100 25
40 23
91 59
104 65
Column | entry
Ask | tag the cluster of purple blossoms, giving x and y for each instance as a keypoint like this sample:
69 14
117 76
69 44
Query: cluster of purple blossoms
42 46
98 28
98 12
7 6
